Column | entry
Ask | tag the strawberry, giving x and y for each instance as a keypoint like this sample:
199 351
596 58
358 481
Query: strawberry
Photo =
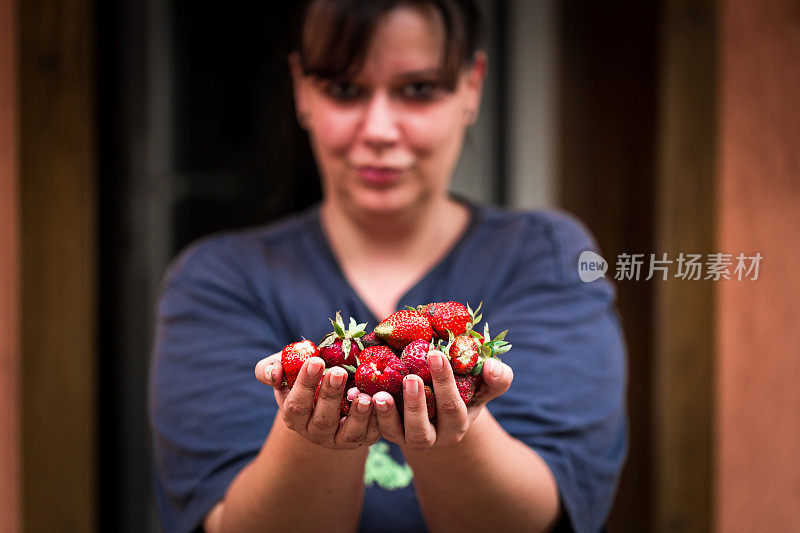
370 339
380 372
450 316
415 356
467 385
374 351
489 347
463 352
335 354
403 327
294 355
342 346
430 402
467 353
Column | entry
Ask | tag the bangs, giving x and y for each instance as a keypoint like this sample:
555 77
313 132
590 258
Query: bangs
334 35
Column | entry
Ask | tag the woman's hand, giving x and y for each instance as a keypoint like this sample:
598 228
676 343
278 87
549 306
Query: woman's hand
320 423
453 417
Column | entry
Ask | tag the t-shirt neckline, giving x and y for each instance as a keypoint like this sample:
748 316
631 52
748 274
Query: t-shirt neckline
324 245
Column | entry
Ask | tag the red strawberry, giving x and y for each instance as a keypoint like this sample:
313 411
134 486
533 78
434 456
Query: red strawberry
489 347
342 346
450 316
403 327
294 355
430 402
334 354
373 351
467 385
380 372
463 352
370 339
415 356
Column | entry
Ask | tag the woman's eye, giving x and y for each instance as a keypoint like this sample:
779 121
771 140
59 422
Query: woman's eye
419 90
342 90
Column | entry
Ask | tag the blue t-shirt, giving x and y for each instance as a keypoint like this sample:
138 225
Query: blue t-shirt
232 298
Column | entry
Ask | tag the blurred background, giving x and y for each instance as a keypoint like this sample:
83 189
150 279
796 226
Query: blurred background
130 128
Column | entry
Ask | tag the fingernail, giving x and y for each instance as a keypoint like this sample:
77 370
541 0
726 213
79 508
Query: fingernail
337 377
412 387
436 361
313 368
495 369
363 405
382 405
352 393
269 372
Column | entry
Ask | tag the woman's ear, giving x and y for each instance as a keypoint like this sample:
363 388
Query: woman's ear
476 75
298 88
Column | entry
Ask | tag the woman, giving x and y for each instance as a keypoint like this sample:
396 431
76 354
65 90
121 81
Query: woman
386 91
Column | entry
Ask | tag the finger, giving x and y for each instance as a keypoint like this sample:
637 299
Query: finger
299 401
352 393
419 432
451 412
373 431
497 377
354 430
269 370
387 417
324 419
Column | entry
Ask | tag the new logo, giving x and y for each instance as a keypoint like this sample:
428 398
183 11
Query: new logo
591 266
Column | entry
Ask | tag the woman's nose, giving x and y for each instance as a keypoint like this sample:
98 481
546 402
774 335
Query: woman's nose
380 121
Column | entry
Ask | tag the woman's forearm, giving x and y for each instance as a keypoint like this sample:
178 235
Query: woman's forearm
296 485
489 481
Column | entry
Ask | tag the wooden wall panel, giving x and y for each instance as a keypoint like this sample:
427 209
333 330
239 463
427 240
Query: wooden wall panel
606 174
58 264
10 513
684 309
758 397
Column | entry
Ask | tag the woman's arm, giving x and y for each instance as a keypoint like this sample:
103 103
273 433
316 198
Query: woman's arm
309 472
295 485
469 473
489 481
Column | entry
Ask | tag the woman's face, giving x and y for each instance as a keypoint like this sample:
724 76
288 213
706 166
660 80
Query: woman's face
387 139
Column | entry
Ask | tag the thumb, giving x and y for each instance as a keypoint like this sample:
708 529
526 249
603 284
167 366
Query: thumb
497 377
269 371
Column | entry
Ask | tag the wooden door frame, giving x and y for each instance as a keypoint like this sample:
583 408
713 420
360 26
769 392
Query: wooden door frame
58 264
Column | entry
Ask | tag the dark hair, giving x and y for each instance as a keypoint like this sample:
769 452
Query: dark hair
332 36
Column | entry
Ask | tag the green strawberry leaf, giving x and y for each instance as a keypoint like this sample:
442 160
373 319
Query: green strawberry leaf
349 368
503 349
327 341
409 308
476 371
338 329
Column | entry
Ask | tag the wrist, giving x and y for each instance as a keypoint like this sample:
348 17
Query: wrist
479 431
299 448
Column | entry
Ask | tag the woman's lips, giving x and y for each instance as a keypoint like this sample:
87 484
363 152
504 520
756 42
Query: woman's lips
379 175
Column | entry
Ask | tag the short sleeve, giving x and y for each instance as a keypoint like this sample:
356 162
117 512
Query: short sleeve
209 415
567 400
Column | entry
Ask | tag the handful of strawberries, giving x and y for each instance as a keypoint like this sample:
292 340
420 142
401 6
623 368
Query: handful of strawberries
398 346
